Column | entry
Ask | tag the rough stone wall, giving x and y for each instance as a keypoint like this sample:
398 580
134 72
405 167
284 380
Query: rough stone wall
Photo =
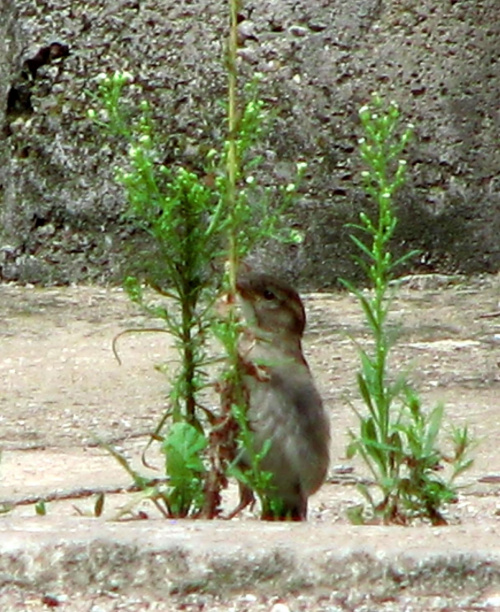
440 59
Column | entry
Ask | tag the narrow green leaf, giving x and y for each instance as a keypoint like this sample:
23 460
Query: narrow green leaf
365 392
434 422
405 258
352 449
363 489
362 247
99 505
355 514
370 314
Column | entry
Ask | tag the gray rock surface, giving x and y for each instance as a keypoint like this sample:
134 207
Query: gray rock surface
60 210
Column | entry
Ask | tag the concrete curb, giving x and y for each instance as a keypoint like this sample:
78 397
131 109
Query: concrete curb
176 557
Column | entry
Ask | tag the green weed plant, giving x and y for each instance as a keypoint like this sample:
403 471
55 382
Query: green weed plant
398 440
196 225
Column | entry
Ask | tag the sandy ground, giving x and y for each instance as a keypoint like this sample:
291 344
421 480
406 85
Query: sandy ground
62 391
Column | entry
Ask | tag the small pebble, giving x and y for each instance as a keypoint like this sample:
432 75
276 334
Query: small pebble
298 30
53 601
492 601
280 607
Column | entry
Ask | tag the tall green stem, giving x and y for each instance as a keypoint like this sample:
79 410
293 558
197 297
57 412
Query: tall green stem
189 363
189 292
232 153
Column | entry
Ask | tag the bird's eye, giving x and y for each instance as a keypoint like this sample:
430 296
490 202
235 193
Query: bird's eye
268 295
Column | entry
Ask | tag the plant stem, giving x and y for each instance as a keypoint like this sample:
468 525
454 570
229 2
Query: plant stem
232 153
189 364
189 291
